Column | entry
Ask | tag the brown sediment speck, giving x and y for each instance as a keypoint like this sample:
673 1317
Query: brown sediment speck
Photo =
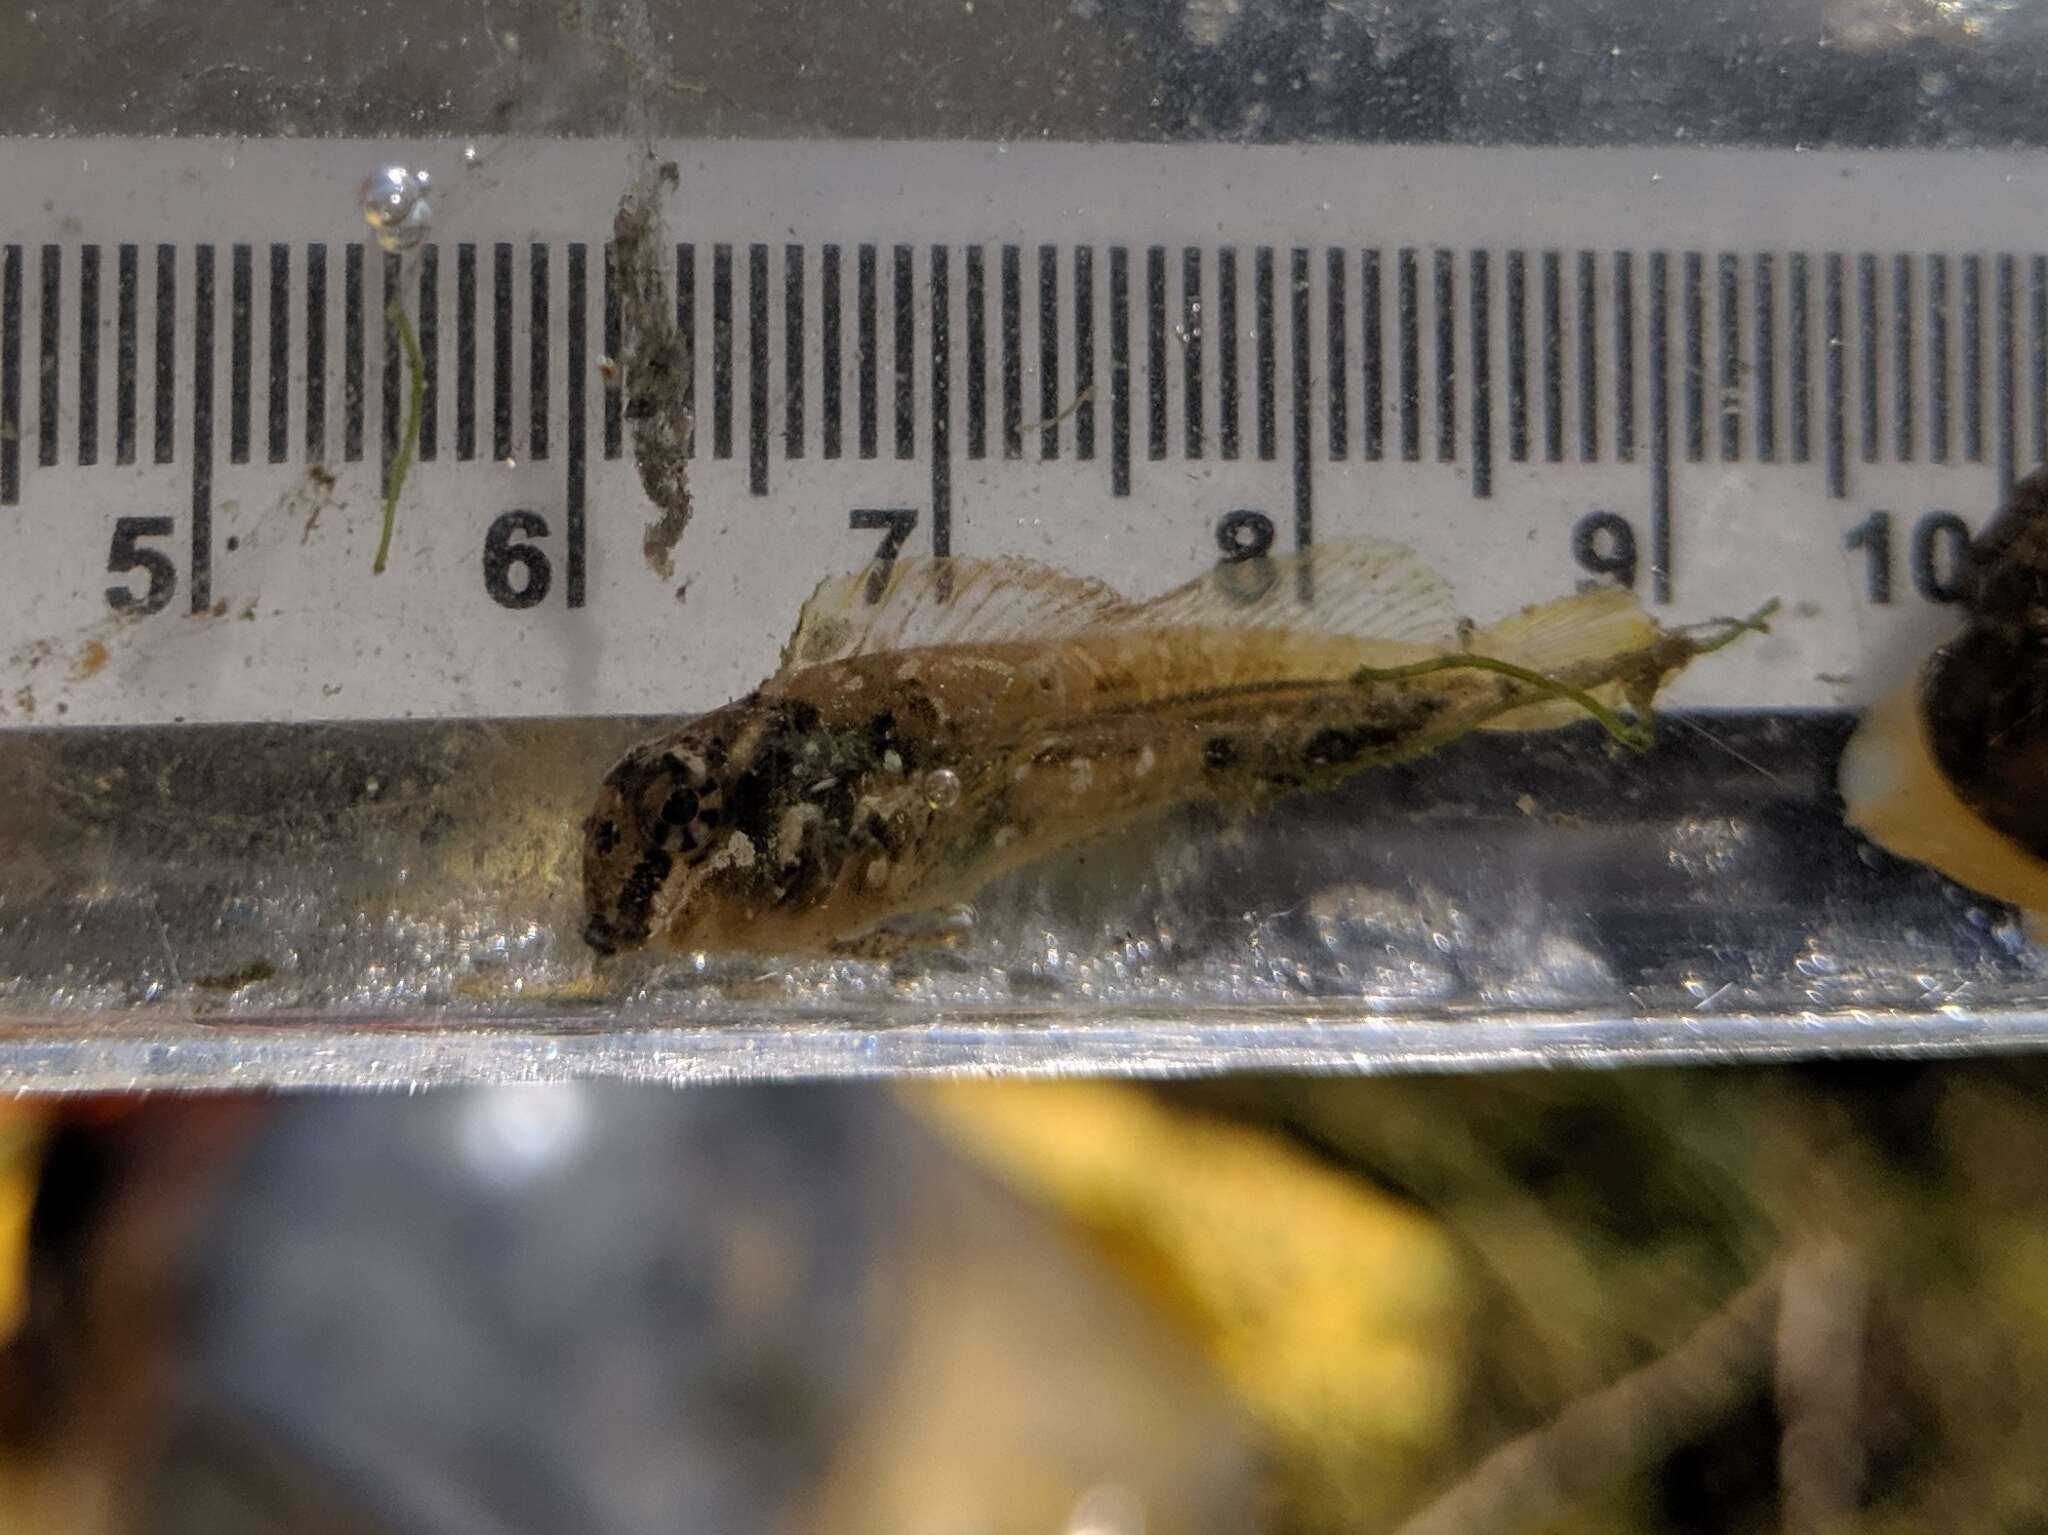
653 363
90 660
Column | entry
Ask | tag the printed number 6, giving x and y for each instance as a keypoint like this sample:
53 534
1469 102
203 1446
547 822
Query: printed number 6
128 554
505 546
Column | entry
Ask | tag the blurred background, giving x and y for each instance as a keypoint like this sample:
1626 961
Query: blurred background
1644 1301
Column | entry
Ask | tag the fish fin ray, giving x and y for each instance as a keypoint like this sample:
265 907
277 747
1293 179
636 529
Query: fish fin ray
908 603
1601 630
1366 588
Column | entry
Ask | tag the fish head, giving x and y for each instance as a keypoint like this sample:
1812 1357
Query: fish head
684 824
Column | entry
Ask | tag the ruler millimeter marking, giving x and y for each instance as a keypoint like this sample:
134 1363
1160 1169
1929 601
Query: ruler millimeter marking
956 346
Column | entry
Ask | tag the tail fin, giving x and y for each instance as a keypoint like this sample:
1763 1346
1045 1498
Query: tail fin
1583 640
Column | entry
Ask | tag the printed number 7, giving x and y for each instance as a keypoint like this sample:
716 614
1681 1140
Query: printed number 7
897 524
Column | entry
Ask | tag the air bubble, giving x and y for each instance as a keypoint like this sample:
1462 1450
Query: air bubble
395 205
942 788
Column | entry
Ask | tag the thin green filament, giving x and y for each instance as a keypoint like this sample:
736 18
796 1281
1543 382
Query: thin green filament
1634 737
416 404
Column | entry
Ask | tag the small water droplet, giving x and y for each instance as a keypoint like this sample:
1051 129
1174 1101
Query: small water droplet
472 156
395 205
942 788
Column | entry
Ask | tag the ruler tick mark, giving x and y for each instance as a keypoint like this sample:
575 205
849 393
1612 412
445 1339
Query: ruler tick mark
1337 374
1155 352
277 416
829 320
46 415
1048 352
686 332
2002 377
1695 323
391 397
1938 360
1410 320
501 351
1799 322
1833 340
1973 358
165 360
352 364
1227 444
1903 310
721 352
942 401
1869 362
792 351
1119 371
1588 304
428 333
1553 357
1373 409
1482 378
465 353
576 381
89 355
10 375
1191 351
1301 417
537 382
906 355
1446 358
1625 356
1518 355
1660 426
1728 299
1013 353
757 370
1765 299
202 425
1084 351
241 321
1262 298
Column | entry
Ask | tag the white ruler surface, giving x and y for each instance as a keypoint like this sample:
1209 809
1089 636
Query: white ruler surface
1717 375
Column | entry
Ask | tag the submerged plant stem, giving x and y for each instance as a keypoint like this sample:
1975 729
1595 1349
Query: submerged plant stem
416 402
1634 737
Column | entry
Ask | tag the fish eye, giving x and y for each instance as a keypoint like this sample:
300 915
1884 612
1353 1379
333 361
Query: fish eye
680 808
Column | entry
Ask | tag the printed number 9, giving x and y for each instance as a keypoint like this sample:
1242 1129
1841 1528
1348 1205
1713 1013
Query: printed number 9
505 547
1605 544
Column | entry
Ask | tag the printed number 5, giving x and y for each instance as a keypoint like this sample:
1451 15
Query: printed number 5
128 554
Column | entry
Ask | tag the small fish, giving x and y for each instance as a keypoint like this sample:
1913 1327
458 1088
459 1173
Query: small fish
937 723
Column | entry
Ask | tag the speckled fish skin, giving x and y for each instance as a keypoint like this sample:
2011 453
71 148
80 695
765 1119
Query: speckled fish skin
857 790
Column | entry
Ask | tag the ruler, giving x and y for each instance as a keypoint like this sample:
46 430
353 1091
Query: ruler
1717 376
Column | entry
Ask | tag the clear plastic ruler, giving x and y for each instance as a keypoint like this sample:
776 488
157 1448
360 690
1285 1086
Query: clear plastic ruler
1719 376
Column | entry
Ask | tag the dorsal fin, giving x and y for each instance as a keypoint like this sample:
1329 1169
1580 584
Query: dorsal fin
903 604
1367 588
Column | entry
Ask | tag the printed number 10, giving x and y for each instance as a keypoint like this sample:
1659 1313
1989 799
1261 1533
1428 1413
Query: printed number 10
1938 555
